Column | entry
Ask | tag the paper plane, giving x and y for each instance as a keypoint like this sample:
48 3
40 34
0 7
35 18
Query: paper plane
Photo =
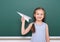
25 16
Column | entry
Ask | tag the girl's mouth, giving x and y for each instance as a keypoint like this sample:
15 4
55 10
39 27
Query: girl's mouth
39 17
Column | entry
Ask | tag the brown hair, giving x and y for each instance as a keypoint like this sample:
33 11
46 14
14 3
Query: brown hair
33 26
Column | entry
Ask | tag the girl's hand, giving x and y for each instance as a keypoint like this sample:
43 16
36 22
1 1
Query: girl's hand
22 19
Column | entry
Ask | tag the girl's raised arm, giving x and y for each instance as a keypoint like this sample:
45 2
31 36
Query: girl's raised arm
23 30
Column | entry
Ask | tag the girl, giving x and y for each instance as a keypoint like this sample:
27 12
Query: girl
39 28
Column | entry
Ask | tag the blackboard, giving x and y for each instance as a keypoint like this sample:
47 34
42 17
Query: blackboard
10 21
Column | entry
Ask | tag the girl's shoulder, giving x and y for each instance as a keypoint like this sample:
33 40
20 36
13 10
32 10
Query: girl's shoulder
31 23
45 24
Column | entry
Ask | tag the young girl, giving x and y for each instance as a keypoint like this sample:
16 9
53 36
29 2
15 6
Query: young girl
39 28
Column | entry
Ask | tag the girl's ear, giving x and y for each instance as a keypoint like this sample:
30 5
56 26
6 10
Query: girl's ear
34 15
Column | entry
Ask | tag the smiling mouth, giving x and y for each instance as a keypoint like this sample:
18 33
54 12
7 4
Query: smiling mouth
39 17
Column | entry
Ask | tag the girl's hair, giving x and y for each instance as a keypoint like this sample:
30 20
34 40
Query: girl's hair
33 27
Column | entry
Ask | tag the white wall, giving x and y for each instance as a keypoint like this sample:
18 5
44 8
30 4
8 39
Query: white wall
25 39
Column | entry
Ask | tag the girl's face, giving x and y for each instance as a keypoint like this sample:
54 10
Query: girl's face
39 14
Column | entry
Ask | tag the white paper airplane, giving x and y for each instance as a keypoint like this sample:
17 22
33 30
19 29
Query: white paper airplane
25 16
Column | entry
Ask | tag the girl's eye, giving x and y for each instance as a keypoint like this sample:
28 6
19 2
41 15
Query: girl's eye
41 14
37 14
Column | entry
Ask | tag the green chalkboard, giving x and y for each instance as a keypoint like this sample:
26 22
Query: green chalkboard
10 21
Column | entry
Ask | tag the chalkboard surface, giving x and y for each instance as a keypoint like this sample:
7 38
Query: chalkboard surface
10 21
